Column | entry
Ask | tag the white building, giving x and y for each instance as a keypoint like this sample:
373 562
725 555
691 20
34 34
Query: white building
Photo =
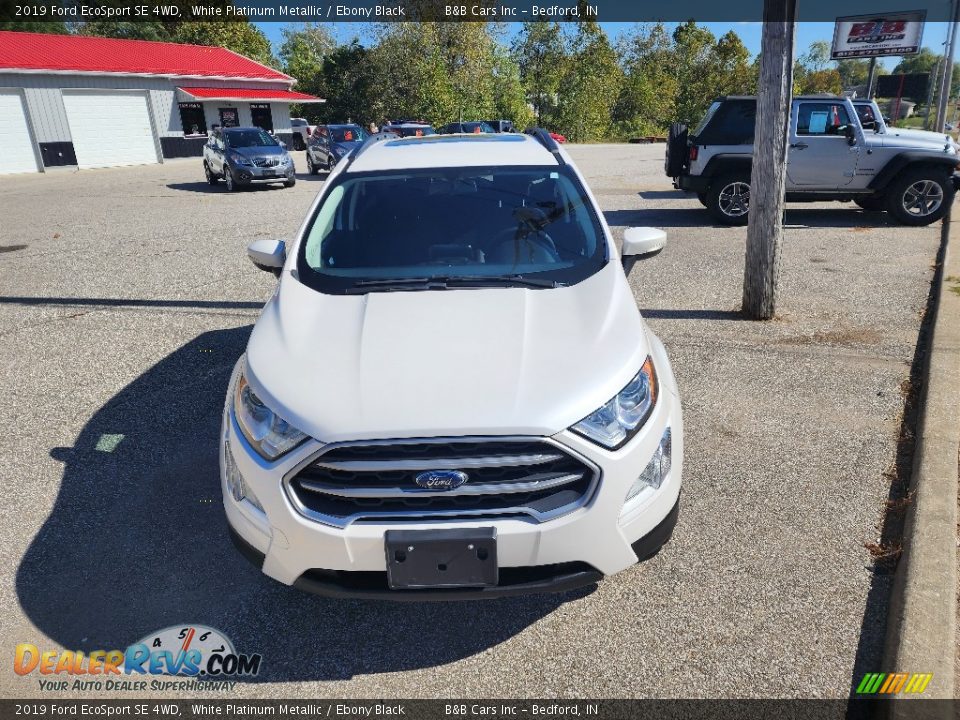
99 102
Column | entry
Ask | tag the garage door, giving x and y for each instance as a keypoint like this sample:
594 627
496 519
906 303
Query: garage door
16 147
110 129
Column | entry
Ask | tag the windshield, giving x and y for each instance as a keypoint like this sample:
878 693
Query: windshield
349 133
411 130
870 119
450 228
249 138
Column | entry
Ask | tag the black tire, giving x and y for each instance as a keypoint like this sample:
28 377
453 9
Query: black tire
331 164
702 197
228 179
728 199
920 196
211 178
677 150
298 143
290 183
311 167
872 203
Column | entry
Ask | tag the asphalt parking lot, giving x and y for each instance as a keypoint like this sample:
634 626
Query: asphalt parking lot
131 298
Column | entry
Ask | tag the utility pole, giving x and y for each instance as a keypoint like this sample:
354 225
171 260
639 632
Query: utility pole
947 77
768 175
931 84
870 76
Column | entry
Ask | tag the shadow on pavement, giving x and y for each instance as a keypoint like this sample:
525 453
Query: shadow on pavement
705 314
797 218
137 541
665 195
220 188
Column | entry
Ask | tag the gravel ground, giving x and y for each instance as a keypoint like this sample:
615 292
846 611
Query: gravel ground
133 298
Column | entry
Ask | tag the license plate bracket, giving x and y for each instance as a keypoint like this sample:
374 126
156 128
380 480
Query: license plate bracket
458 558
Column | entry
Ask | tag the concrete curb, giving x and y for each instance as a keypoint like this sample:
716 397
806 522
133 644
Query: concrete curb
923 607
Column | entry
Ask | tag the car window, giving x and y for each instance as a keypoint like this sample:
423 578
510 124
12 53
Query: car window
732 123
254 137
353 133
482 224
822 119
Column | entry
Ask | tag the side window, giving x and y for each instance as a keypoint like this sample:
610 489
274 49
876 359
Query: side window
821 119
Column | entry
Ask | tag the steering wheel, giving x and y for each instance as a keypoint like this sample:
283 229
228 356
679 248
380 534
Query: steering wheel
533 238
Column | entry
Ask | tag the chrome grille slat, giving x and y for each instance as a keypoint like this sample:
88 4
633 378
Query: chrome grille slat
536 479
530 483
459 463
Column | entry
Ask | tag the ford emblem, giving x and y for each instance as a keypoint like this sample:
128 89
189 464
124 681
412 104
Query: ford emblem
441 479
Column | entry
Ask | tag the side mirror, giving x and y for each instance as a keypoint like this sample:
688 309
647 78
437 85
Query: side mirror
282 144
640 243
268 255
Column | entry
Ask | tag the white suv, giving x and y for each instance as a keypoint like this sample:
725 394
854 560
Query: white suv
451 393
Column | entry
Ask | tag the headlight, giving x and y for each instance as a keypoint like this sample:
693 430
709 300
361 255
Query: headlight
240 159
620 419
268 433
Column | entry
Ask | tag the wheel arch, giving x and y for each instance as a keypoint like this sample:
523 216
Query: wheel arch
907 161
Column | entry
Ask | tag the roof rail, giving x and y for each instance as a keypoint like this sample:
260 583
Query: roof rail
372 140
543 137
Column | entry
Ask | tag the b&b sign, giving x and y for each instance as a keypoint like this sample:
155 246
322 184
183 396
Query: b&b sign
878 35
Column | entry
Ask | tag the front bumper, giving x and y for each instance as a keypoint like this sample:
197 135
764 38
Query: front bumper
579 548
247 175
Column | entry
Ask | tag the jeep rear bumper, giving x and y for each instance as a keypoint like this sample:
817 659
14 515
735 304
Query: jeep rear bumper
692 183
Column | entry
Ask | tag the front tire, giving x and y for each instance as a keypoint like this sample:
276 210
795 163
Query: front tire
228 179
702 197
311 167
920 197
211 178
728 199
290 183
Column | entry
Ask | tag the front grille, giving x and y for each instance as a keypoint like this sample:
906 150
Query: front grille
266 162
374 482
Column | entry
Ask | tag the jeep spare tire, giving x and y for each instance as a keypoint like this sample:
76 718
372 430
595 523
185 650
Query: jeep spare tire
676 150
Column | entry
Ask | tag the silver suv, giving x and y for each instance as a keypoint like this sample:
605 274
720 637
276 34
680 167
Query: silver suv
830 157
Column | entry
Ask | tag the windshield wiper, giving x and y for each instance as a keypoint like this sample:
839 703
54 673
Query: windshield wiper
448 282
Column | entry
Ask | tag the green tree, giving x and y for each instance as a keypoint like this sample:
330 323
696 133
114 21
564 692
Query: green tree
541 56
590 86
303 52
509 99
645 105
239 36
347 83
46 26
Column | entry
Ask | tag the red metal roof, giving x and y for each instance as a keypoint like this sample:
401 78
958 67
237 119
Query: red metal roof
79 53
208 93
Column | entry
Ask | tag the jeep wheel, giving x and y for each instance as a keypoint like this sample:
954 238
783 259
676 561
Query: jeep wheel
728 199
872 203
920 197
702 197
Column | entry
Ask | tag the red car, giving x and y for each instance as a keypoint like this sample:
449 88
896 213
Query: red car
558 137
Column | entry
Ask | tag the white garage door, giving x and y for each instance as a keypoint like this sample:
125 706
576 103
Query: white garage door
110 129
16 148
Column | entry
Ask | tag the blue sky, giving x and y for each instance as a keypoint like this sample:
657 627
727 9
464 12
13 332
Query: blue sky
933 36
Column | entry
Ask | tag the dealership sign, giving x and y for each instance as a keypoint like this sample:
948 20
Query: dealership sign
878 35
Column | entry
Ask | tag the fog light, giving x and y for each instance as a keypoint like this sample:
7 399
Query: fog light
235 483
654 473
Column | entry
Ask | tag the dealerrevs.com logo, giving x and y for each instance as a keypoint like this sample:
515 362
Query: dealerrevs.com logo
203 655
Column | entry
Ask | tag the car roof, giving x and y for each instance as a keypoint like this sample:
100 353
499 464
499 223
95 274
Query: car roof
239 129
437 151
809 96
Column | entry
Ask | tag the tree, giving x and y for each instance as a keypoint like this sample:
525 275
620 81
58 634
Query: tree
590 86
50 27
692 46
239 36
817 57
540 54
303 52
509 99
346 82
647 95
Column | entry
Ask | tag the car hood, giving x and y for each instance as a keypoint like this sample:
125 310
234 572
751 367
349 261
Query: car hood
445 362
260 151
926 136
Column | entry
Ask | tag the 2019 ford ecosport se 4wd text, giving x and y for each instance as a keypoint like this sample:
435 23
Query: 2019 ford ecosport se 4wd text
451 392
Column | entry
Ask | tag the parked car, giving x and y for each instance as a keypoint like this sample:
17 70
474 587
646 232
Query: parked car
409 129
501 126
831 157
301 132
330 143
452 394
243 156
558 137
473 128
